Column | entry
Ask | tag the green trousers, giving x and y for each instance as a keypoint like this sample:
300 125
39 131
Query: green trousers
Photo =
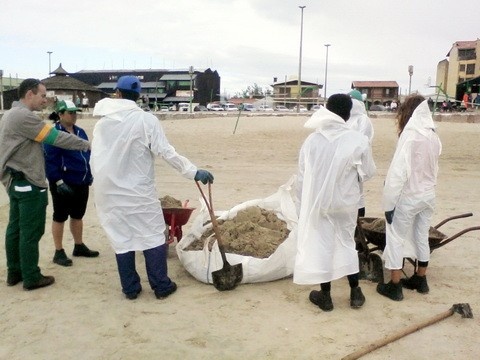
26 226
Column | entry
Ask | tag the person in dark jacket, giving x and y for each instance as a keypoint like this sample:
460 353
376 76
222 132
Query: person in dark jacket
69 177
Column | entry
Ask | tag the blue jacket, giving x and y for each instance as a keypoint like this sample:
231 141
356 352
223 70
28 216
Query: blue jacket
71 166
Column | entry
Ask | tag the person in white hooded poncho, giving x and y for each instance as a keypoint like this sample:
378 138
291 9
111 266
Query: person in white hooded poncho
125 142
409 196
360 121
332 163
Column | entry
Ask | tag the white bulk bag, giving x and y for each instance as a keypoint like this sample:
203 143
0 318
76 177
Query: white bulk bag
201 263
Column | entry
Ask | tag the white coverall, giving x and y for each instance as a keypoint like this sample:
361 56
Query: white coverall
332 162
125 142
360 121
410 190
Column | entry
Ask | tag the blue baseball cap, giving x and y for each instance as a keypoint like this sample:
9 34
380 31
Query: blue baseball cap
129 83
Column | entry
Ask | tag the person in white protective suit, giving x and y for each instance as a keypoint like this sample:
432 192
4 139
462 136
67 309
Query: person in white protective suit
409 196
332 162
360 121
125 142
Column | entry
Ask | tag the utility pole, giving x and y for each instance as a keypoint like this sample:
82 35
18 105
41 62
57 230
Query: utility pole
300 63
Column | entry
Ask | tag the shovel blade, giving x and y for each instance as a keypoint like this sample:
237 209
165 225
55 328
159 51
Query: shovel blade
228 277
371 267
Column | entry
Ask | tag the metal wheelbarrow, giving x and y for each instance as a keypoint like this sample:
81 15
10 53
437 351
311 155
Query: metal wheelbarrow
375 235
175 218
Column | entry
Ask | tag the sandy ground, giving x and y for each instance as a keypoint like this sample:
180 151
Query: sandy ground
84 315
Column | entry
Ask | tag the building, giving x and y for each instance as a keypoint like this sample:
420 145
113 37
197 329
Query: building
60 86
163 87
287 93
377 92
461 67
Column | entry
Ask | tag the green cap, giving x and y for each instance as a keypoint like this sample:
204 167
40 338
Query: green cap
355 94
66 105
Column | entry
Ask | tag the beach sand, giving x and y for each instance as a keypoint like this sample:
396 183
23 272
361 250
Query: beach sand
84 315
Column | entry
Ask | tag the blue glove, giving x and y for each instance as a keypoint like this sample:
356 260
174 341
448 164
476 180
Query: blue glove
389 216
63 189
204 176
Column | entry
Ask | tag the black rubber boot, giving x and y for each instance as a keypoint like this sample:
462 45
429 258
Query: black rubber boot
83 250
322 299
391 290
61 258
357 299
416 282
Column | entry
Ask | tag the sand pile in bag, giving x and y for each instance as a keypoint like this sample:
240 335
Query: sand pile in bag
252 232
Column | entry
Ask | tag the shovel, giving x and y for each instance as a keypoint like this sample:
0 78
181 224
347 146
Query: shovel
228 277
463 309
371 266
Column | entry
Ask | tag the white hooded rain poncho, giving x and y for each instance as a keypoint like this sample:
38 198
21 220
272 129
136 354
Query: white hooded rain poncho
332 162
125 142
360 121
410 190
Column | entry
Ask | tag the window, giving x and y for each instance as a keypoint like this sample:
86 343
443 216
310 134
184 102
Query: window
461 68
387 92
470 69
467 54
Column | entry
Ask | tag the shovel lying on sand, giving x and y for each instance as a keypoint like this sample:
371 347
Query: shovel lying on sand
228 277
462 309
371 266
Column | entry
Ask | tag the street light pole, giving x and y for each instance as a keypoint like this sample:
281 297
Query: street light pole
49 62
326 73
410 72
1 90
300 63
190 71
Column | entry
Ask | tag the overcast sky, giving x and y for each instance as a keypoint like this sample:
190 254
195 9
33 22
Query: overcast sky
246 41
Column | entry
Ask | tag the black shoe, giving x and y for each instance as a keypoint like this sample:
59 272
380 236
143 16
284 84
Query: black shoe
357 299
13 279
133 295
44 281
391 290
416 282
83 250
164 294
322 299
61 258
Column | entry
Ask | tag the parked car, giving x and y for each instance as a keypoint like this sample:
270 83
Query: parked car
315 107
375 107
265 108
214 107
229 107
200 108
281 108
248 107
183 106
164 108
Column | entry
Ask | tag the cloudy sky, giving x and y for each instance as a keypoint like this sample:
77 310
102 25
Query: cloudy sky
246 41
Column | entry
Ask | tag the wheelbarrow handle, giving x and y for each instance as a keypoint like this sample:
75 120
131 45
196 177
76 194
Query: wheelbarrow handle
452 218
453 237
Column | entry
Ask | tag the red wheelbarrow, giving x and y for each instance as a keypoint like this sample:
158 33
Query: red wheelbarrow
175 218
374 231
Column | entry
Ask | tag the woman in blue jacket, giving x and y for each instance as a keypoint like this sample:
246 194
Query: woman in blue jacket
69 178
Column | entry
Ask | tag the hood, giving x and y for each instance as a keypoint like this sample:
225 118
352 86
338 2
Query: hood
421 119
111 107
328 123
358 108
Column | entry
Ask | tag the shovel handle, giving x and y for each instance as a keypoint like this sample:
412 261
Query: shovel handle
387 340
214 220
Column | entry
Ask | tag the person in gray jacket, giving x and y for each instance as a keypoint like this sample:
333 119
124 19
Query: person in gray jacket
22 172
